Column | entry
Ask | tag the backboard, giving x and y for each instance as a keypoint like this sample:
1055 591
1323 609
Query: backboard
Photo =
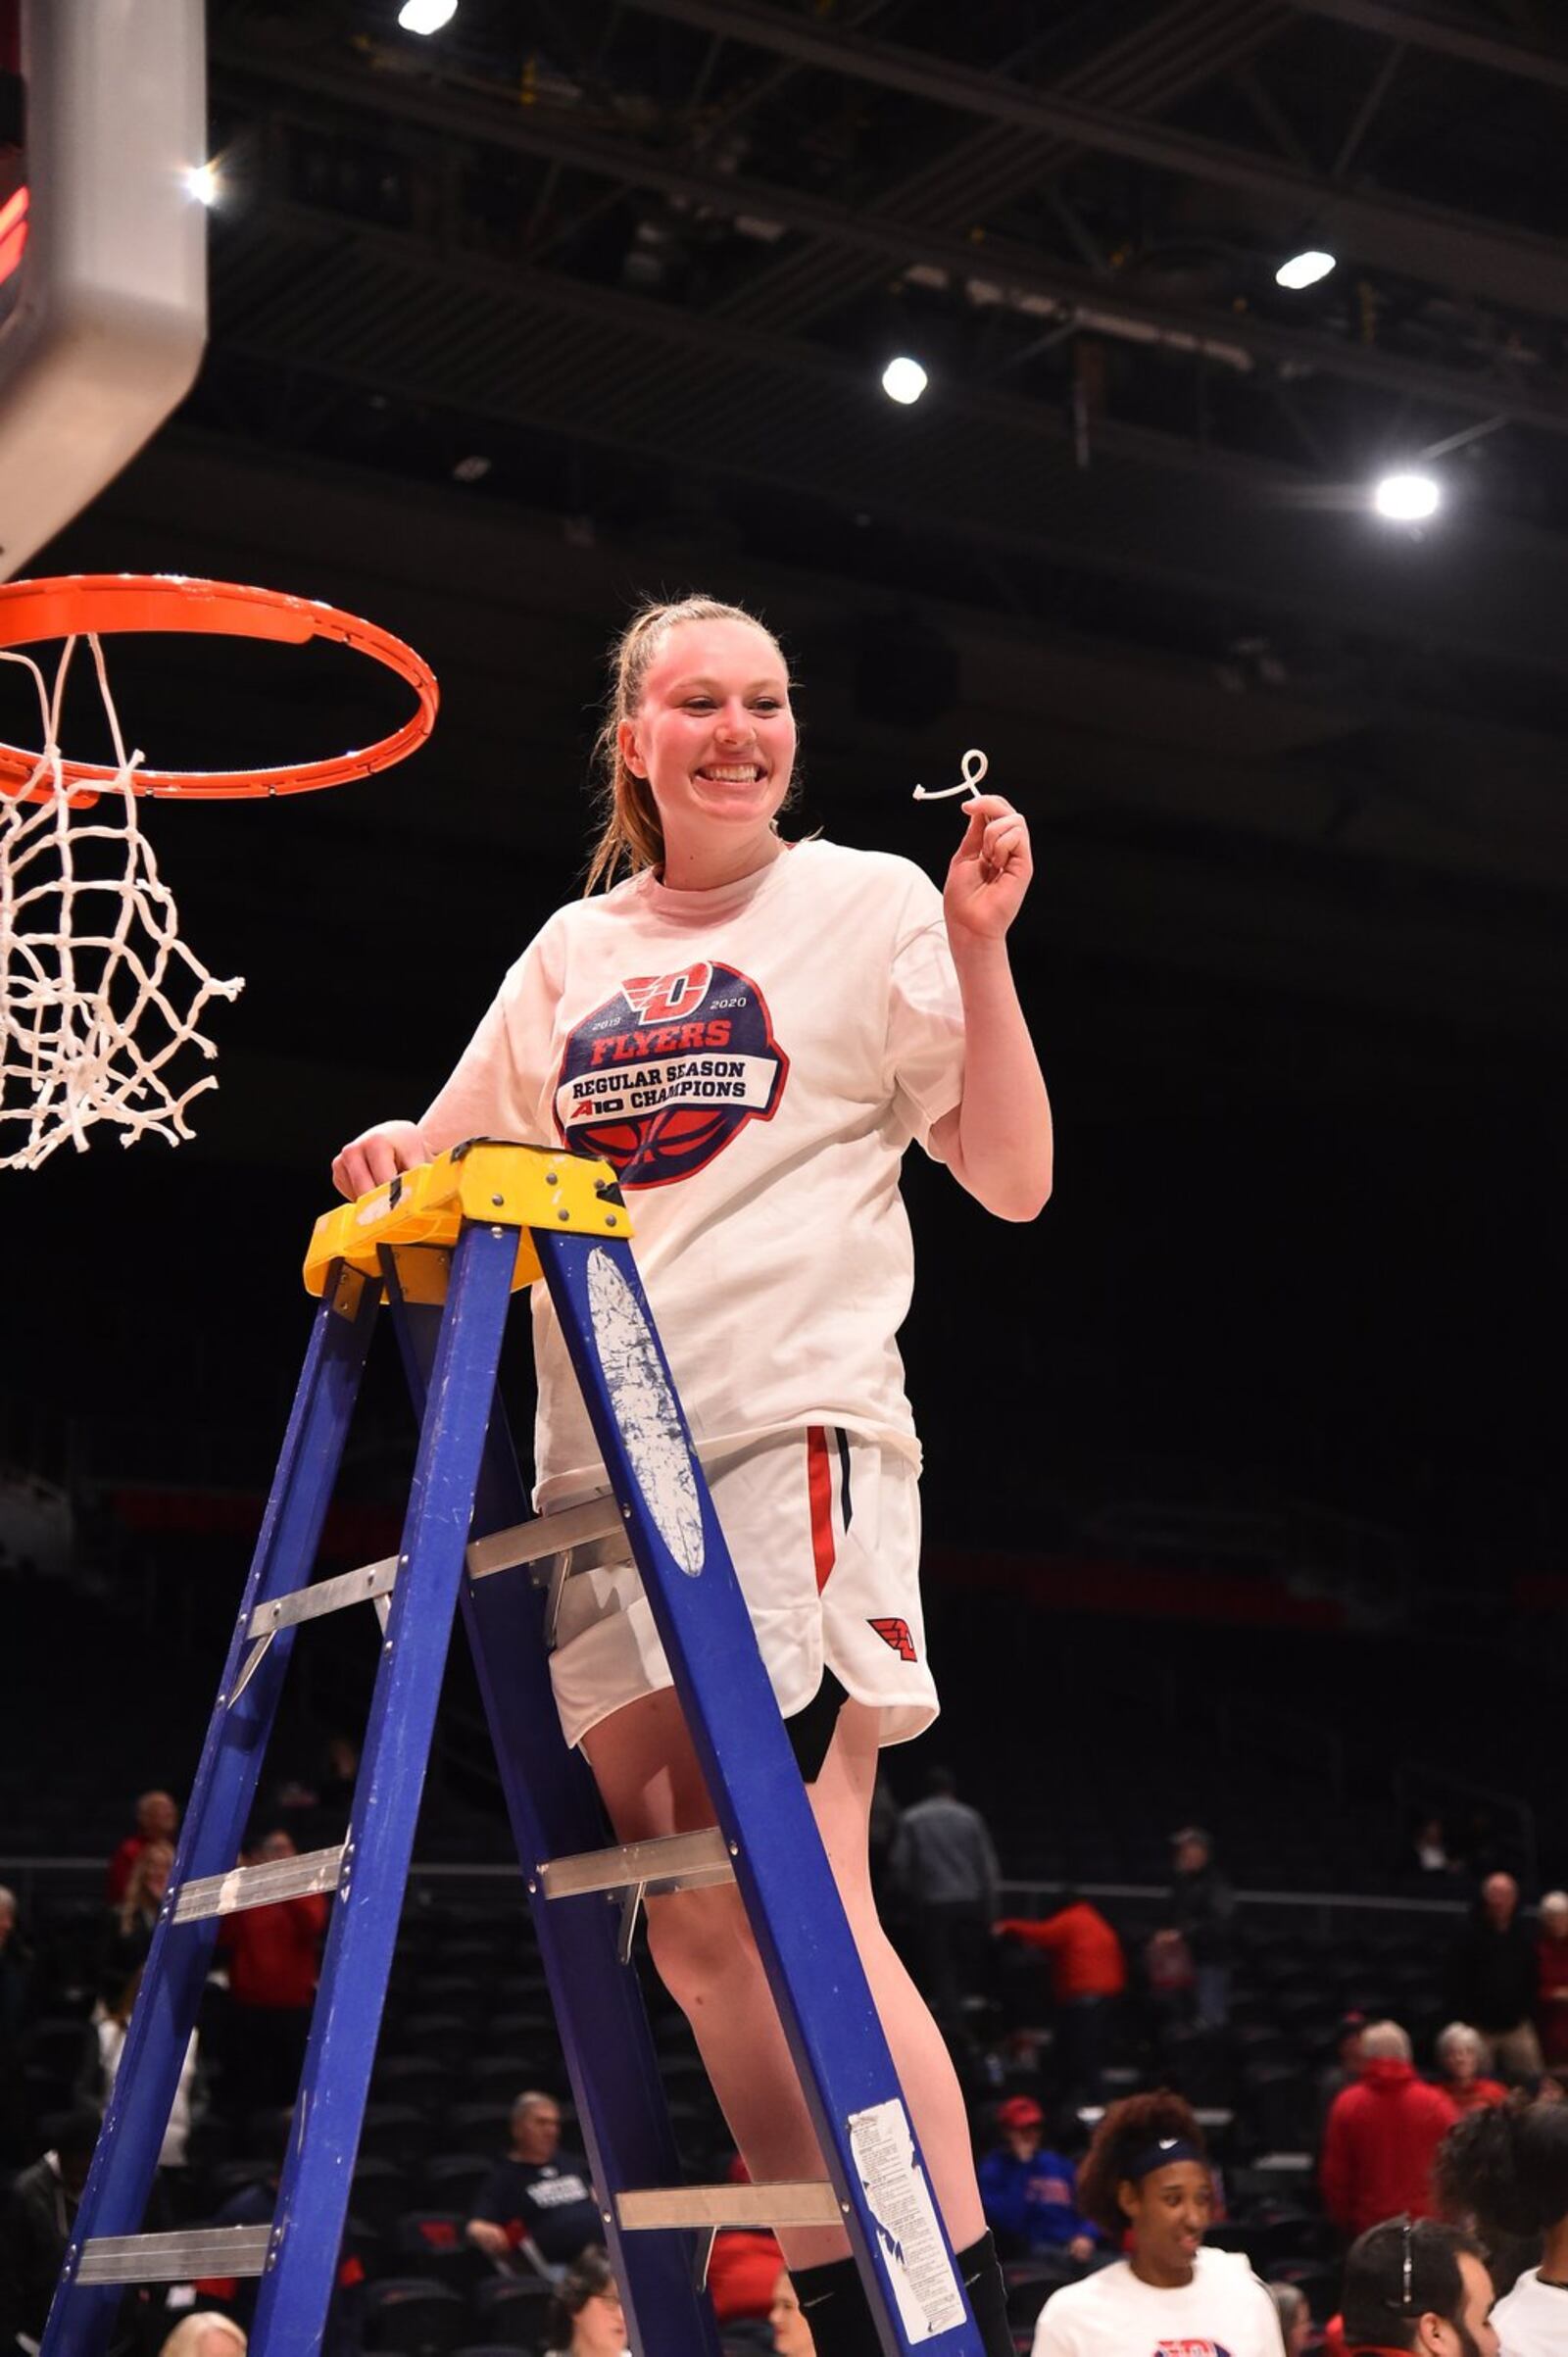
103 246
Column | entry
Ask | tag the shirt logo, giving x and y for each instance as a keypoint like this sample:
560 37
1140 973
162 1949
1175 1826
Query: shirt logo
660 1077
1190 2349
896 1633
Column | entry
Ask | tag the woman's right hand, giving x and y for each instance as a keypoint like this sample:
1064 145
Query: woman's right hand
378 1154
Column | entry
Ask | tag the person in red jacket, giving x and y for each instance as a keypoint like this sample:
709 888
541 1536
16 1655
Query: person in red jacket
1382 2137
273 1955
156 1820
1087 1973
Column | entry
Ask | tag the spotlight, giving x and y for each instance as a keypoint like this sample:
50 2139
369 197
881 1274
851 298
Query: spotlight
426 16
1305 269
1407 498
202 181
471 469
904 379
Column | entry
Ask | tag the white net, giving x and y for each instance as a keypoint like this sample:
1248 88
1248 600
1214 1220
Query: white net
100 999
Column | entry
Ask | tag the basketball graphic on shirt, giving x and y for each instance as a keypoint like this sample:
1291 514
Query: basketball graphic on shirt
660 1078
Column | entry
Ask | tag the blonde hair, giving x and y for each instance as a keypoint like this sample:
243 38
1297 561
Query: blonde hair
630 835
151 1854
186 2338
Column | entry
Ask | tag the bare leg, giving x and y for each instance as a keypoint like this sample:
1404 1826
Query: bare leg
702 1949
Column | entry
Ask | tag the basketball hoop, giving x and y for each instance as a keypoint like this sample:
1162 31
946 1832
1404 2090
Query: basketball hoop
98 993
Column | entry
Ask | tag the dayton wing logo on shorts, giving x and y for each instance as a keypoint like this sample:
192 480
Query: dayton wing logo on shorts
896 1633
665 1074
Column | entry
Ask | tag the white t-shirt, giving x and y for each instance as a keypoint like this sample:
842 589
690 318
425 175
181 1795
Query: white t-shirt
1531 2319
1223 2312
753 1060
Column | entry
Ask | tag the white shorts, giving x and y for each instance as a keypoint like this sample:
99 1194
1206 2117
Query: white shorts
824 1531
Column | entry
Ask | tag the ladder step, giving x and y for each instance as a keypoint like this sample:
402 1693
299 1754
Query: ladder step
675 1862
259 1885
806 2201
211 2250
538 1539
324 1595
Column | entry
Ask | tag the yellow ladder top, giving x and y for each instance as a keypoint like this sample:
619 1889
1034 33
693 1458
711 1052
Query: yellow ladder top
522 1187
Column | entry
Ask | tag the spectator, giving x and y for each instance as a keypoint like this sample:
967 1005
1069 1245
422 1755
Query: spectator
588 2320
1551 1978
1382 2137
205 2333
1296 2317
1460 2052
1344 2070
1416 2283
106 2044
131 1924
16 1994
255 2204
945 1870
1494 1978
1147 2176
1203 1910
1030 2194
16 1972
1087 1974
1430 1848
792 2335
538 2201
37 2217
156 1820
1509 2170
743 2269
273 1955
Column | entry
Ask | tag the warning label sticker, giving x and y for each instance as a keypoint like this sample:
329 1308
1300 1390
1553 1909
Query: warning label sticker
922 2274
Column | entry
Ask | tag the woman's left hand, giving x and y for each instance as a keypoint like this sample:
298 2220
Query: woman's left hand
989 870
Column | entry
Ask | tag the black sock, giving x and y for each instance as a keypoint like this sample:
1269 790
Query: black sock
834 2305
988 2295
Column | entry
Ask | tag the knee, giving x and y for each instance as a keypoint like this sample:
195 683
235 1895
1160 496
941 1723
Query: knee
702 1946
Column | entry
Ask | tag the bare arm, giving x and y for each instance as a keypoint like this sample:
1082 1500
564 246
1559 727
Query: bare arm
998 1141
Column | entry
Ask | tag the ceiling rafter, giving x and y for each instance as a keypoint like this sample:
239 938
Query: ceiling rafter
1021 268
1421 242
1447 39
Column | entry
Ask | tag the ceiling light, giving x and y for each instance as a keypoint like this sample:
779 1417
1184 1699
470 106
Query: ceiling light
1305 269
471 469
904 379
201 180
426 16
1407 498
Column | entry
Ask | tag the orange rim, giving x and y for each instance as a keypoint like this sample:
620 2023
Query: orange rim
77 605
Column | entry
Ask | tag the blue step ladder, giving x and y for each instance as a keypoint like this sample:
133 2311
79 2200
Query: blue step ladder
446 1245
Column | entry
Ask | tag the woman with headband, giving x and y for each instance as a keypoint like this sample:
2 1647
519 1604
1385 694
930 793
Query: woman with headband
1145 2181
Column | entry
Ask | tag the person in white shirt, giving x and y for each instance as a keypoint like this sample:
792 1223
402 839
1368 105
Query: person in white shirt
1146 2178
1416 2285
1509 2170
753 1032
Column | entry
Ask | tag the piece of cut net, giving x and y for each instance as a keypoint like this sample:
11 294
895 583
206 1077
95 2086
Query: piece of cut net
99 997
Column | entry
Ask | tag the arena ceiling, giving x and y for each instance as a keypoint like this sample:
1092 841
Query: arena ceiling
601 290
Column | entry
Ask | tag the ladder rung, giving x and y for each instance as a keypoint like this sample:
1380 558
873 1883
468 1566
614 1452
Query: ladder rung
324 1595
212 2250
537 1541
675 1862
806 2201
259 1885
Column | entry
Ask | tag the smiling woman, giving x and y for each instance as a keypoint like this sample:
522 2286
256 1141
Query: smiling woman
1147 2179
753 1032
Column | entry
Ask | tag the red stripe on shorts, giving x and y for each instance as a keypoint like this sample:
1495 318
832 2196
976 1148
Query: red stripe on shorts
820 1480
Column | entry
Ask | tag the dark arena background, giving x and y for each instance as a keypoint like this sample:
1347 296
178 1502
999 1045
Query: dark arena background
1245 1498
